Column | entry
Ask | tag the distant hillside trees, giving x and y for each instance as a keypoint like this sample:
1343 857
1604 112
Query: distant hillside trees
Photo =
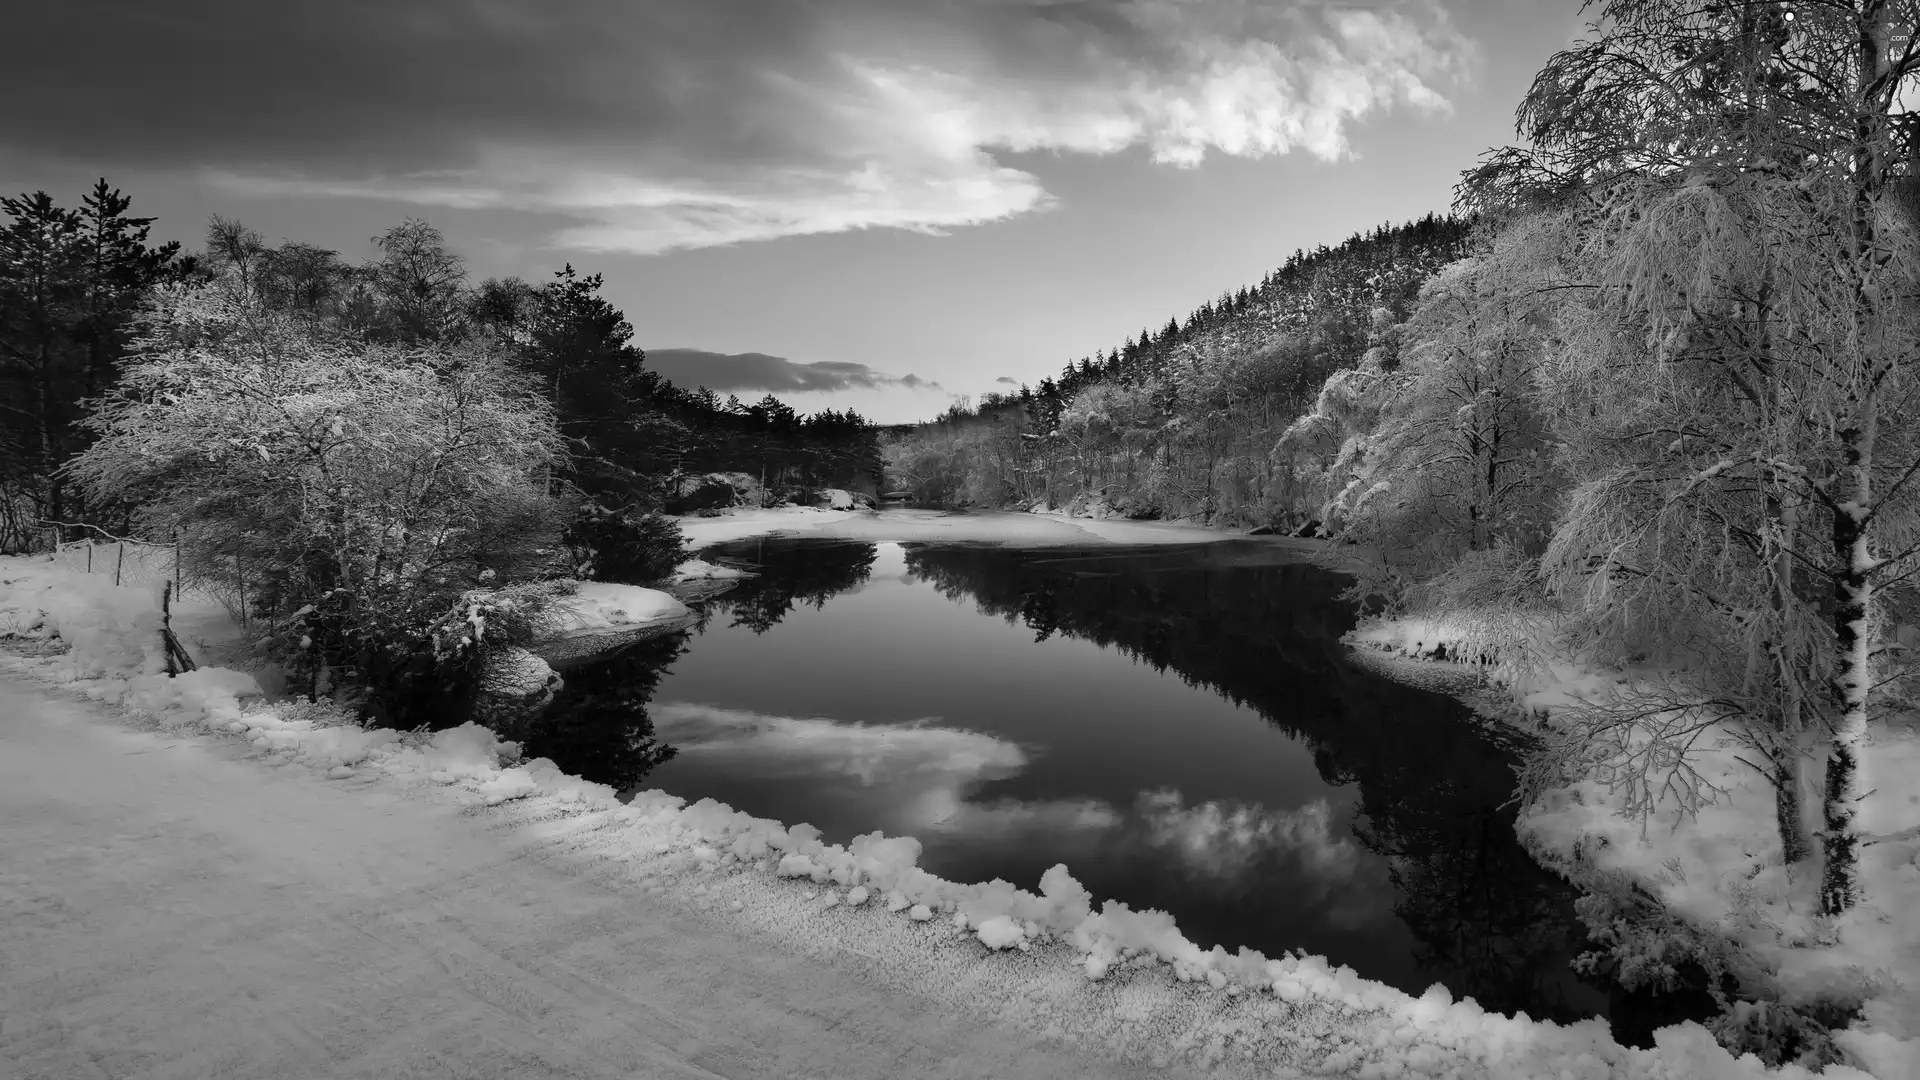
1183 421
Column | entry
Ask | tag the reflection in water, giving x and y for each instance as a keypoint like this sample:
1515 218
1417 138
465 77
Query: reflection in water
1487 920
1367 827
778 746
598 727
1221 839
791 573
915 777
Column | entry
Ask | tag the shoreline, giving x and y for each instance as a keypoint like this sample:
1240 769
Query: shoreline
1710 883
1045 963
1009 527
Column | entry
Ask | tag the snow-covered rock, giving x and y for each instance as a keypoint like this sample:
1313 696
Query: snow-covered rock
516 687
833 499
702 570
600 616
713 491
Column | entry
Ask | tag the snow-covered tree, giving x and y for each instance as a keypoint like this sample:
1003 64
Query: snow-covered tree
1451 453
1737 392
1736 403
366 482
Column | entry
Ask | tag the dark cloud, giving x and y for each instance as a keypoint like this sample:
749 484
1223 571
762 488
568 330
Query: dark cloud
666 124
1009 382
351 87
726 372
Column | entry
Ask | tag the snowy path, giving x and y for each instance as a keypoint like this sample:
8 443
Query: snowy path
169 908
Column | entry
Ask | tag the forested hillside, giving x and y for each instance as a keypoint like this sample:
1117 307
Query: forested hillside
1183 421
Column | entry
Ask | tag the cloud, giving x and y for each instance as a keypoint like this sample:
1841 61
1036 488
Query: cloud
914 776
1222 839
723 372
690 123
1004 379
769 746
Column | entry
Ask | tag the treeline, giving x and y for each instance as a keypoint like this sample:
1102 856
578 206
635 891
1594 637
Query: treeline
1183 421
74 284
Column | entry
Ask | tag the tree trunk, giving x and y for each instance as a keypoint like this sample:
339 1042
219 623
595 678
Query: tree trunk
1794 845
1846 775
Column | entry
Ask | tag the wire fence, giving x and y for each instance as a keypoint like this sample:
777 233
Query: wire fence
142 565
128 562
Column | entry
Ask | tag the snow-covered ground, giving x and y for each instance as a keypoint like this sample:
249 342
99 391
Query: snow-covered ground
933 526
247 887
1722 868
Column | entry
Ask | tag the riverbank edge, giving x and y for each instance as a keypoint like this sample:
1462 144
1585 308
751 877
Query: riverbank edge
1634 908
1238 1014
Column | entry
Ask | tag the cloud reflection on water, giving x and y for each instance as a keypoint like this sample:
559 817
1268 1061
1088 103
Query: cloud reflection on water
919 776
765 745
1221 838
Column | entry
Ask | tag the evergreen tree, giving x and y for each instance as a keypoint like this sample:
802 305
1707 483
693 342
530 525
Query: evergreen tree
71 282
579 347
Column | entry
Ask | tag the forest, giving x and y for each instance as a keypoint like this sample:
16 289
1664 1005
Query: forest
1646 397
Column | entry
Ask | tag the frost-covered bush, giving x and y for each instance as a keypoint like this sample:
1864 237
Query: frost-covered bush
630 549
1780 1034
433 674
351 492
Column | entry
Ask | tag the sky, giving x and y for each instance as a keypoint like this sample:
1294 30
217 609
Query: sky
875 204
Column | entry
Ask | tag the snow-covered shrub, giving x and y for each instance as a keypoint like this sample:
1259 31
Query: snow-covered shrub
1642 945
353 491
1781 1034
443 674
611 545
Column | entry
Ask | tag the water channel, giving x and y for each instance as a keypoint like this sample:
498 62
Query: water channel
1179 724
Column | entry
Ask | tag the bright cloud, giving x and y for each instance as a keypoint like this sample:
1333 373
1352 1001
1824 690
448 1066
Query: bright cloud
918 776
1222 838
765 745
893 113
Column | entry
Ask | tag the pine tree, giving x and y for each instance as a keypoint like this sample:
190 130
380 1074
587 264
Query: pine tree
71 282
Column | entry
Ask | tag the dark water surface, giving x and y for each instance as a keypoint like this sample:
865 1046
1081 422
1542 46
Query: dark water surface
1178 724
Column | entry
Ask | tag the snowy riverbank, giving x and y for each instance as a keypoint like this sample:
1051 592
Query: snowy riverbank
1049 529
1721 872
1101 984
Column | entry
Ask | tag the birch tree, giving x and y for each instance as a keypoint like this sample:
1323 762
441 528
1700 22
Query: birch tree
1739 387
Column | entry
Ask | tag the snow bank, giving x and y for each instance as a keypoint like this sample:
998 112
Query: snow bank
599 607
1722 869
935 526
1270 1015
743 524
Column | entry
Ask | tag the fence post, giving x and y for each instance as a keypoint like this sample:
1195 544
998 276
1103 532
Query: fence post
118 561
240 582
89 556
176 562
